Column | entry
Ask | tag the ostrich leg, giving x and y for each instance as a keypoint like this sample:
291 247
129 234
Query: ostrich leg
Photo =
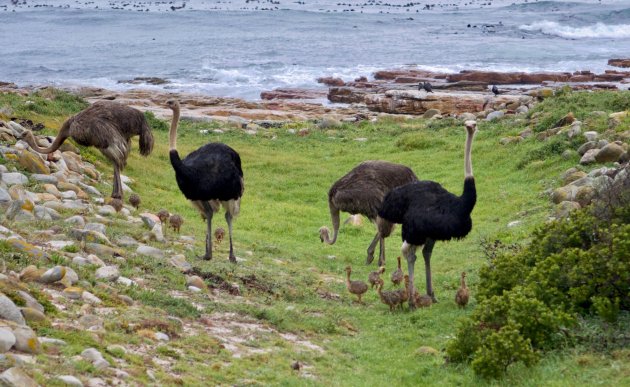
371 248
228 219
117 192
426 253
208 213
381 257
409 252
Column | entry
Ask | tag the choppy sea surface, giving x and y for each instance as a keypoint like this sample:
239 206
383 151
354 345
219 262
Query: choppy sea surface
238 48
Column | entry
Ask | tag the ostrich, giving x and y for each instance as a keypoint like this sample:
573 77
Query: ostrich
495 90
361 191
107 126
176 222
208 177
430 213
134 200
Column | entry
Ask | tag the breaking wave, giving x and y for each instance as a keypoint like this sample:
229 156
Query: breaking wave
598 30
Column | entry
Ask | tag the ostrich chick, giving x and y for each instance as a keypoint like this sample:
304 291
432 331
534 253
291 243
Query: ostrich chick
134 200
219 233
375 276
397 275
462 295
391 298
404 292
176 222
163 215
355 287
422 301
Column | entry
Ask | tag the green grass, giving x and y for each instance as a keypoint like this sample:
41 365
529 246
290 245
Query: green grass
285 203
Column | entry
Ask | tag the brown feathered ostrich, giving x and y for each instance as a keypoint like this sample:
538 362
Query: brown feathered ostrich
209 177
430 213
355 287
463 294
176 222
108 126
134 200
361 191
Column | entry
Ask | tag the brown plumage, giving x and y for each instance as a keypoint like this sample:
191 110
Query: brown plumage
116 203
176 222
108 126
355 287
163 215
422 301
404 292
375 276
361 191
134 200
462 295
219 233
390 298
397 275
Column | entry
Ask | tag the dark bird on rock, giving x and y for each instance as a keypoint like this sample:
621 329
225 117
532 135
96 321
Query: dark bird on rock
361 191
427 87
210 177
108 126
429 213
495 90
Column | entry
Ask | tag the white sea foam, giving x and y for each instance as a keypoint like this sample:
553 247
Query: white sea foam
598 30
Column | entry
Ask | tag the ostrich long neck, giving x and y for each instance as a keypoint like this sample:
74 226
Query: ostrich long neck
469 196
348 279
30 140
468 173
334 216
173 131
463 282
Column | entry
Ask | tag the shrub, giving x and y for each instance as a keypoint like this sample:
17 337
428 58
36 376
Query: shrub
155 123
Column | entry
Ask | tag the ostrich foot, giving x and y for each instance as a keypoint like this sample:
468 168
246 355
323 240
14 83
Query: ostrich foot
205 257
233 258
433 298
369 259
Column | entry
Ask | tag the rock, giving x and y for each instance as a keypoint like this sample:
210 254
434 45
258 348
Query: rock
91 355
584 195
89 236
70 380
609 153
15 377
26 340
90 298
77 220
431 113
116 350
33 315
13 178
572 175
562 194
53 275
107 210
467 116
591 135
30 301
156 233
179 261
150 251
522 109
195 281
149 219
90 321
96 382
107 273
589 157
33 163
4 196
70 278
569 154
102 250
575 129
586 147
494 115
94 260
293 93
9 311
504 78
50 341
73 293
126 281
7 339
126 299
27 248
126 241
44 178
31 273
41 213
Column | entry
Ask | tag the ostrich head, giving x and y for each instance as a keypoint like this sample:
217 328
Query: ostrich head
172 104
348 270
471 126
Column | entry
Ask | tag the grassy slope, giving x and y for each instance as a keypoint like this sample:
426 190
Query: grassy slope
287 179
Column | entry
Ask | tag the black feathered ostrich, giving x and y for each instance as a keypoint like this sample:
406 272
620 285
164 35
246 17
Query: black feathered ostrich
107 126
361 191
209 177
430 213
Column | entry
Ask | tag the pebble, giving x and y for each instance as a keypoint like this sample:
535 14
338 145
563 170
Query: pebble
90 298
44 179
98 227
162 336
126 281
13 178
7 339
26 340
77 220
30 301
33 315
51 341
179 261
91 354
107 273
73 293
9 311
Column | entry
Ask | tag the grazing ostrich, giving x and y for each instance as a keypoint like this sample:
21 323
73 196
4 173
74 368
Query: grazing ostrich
361 191
430 213
107 126
209 177
163 215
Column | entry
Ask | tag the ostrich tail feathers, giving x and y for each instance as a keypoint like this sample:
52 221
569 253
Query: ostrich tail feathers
146 140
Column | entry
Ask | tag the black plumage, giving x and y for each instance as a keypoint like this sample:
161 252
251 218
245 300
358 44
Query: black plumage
495 90
430 213
361 191
427 87
209 177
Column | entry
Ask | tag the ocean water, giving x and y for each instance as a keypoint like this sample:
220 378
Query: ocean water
238 48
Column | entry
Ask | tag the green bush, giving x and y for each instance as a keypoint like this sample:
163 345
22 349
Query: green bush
530 298
155 123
